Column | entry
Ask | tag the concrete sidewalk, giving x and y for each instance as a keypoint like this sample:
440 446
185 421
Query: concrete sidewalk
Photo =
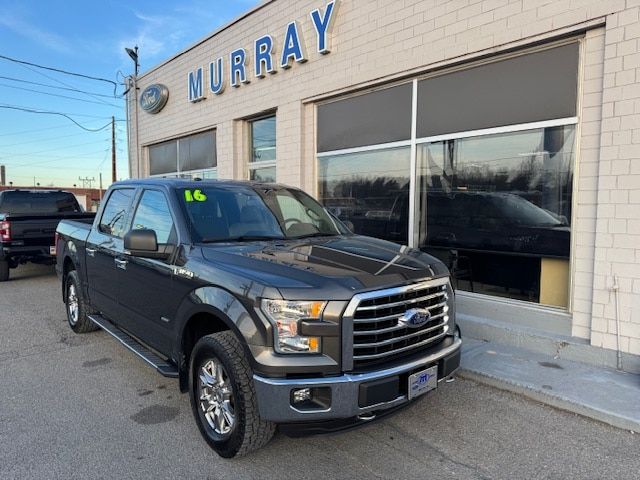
603 394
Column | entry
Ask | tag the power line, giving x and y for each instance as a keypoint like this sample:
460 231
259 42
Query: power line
46 112
13 79
30 142
59 70
59 96
65 147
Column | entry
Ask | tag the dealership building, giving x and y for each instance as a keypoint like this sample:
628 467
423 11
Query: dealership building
501 136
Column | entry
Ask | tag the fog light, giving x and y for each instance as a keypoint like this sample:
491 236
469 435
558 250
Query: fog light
301 395
309 399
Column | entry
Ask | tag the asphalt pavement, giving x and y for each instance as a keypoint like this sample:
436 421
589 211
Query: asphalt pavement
81 406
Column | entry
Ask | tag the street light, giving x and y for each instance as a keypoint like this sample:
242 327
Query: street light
134 56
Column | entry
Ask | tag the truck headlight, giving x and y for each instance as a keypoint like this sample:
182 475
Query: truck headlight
284 315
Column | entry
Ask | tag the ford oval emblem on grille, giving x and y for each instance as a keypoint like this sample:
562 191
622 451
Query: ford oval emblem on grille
415 317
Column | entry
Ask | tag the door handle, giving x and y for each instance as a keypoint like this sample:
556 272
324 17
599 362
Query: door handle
91 252
121 263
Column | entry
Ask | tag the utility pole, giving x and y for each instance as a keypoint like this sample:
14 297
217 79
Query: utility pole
100 185
87 181
113 149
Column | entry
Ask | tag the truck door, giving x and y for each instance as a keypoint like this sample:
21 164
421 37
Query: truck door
103 248
146 294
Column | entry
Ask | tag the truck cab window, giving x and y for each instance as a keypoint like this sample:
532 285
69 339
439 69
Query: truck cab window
114 217
153 213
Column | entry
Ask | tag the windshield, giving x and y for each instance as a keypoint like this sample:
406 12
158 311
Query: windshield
28 202
219 213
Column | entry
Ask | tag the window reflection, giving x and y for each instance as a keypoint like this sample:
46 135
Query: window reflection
497 207
368 189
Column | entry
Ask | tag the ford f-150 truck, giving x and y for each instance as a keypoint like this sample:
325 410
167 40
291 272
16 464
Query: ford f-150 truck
28 221
267 309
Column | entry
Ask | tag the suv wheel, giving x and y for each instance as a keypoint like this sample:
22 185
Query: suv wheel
223 397
77 308
4 270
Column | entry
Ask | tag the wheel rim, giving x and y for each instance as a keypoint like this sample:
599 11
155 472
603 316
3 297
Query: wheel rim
216 397
72 304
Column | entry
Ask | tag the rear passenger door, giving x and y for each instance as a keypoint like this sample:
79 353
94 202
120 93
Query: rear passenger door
103 249
146 295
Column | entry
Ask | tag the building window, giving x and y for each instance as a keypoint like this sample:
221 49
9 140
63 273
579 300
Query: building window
496 209
370 189
262 164
479 176
186 157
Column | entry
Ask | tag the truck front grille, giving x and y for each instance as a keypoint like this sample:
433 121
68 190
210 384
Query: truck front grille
378 336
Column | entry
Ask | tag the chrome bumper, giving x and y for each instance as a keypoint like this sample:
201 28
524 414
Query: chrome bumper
274 394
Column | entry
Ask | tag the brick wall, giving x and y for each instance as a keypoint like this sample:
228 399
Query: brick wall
377 41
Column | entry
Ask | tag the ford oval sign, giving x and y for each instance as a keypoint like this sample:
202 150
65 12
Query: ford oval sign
415 317
154 98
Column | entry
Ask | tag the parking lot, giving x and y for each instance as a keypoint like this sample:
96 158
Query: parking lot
84 407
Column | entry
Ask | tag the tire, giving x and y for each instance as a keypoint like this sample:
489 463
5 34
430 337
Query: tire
76 306
4 270
219 357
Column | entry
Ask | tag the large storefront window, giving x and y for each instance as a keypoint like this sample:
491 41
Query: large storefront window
369 189
474 166
186 157
498 211
262 164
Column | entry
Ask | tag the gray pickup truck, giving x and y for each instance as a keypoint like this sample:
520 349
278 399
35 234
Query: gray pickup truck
267 309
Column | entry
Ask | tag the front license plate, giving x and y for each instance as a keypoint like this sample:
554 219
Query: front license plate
423 381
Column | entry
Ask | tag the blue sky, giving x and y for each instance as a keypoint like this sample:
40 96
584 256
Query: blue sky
86 37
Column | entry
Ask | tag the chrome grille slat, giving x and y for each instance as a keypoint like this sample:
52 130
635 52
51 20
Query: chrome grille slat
391 317
390 329
404 302
393 340
377 333
400 350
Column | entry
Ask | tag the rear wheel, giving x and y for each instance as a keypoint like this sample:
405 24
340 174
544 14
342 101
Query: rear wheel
223 398
77 308
4 270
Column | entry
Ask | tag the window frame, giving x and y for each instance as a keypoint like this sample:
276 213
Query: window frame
138 200
251 166
177 172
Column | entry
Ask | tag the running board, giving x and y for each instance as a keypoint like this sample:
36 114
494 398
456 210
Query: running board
162 366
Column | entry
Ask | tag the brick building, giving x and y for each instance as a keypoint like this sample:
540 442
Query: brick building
503 136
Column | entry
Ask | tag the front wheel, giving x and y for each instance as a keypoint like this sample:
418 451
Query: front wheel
223 398
76 306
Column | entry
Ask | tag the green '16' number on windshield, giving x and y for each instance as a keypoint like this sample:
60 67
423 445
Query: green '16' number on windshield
194 196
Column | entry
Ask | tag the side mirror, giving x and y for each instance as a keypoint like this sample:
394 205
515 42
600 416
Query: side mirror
348 224
143 243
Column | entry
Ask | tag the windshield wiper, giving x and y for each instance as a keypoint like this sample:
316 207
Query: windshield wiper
314 234
241 238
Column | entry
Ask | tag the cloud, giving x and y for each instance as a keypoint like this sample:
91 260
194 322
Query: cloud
161 35
22 27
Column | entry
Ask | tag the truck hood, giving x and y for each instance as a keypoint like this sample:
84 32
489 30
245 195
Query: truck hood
341 264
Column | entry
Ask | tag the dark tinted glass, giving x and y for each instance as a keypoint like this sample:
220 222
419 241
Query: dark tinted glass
114 216
263 139
197 151
265 174
528 88
498 206
370 190
153 213
163 158
24 203
378 117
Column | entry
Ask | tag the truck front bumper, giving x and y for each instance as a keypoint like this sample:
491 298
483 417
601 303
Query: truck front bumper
352 394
